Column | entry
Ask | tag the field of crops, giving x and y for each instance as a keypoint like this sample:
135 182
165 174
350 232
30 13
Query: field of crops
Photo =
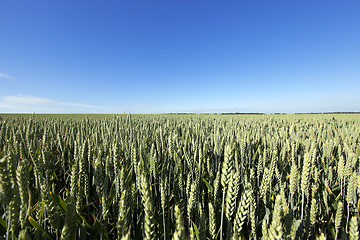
179 177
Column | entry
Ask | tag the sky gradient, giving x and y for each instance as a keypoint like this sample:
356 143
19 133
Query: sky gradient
158 56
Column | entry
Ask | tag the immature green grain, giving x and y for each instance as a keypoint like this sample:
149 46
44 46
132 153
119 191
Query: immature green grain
117 168
69 228
226 171
212 221
149 225
278 176
6 192
294 181
313 152
253 217
193 198
260 167
341 171
321 237
294 228
353 232
22 178
111 154
231 195
338 217
127 236
230 202
51 208
122 224
264 227
153 161
163 195
217 185
2 133
98 176
179 233
83 178
350 195
242 211
351 158
275 230
305 180
265 183
134 158
188 185
14 209
227 166
284 203
313 211
170 146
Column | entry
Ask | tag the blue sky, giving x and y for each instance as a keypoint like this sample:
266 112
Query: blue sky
158 56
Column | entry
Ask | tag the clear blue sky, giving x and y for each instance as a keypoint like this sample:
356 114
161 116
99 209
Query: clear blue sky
157 56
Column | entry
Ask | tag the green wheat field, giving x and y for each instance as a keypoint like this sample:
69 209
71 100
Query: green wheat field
179 176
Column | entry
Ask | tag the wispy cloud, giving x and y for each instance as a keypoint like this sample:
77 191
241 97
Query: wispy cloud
3 75
70 104
28 100
27 103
